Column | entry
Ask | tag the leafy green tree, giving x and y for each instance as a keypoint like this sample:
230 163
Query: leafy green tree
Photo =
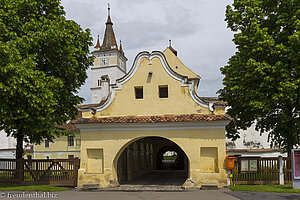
262 79
44 58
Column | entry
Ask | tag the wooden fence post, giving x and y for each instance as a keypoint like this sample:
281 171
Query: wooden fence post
76 167
281 174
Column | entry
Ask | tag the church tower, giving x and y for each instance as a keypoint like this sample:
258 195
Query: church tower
109 63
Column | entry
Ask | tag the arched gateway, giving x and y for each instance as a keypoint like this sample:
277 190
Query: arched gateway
144 161
149 119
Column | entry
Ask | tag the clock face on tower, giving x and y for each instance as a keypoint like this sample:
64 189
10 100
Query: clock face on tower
104 61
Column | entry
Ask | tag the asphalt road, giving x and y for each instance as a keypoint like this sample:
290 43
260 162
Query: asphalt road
221 194
105 195
247 195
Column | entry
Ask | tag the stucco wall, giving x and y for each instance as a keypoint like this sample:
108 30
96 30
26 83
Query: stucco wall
11 154
113 143
58 149
178 102
7 142
251 139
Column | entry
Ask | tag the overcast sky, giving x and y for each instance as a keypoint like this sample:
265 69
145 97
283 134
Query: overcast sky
196 27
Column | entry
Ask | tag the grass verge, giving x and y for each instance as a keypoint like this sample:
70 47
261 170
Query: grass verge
44 188
265 188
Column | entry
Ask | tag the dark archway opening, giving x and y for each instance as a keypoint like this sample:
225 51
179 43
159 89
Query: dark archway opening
152 161
170 160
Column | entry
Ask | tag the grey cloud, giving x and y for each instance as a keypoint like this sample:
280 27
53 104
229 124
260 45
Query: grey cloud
138 34
196 27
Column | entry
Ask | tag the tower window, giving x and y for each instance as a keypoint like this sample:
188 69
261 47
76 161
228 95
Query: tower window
138 92
104 61
163 91
99 82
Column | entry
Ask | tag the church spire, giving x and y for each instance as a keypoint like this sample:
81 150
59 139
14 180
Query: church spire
98 43
121 49
109 40
108 15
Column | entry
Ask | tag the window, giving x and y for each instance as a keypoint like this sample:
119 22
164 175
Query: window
104 61
70 140
46 143
99 82
163 91
138 92
70 156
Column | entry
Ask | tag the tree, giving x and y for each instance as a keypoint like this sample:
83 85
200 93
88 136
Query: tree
262 79
44 58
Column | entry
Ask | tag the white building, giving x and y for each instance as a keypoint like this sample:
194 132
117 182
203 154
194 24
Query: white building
251 143
7 146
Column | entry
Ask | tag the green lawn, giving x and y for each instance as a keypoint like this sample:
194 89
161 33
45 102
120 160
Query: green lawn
170 157
265 188
44 188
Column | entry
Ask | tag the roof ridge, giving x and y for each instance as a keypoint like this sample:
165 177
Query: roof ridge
155 119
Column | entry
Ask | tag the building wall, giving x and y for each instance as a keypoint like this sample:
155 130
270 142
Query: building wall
205 149
6 142
251 140
204 146
125 104
177 66
58 149
115 61
101 92
7 146
8 153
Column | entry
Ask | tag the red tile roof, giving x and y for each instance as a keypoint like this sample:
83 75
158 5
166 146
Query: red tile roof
154 119
254 150
69 127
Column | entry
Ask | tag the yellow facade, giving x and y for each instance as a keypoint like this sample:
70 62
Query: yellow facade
112 143
107 131
177 66
179 101
58 149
